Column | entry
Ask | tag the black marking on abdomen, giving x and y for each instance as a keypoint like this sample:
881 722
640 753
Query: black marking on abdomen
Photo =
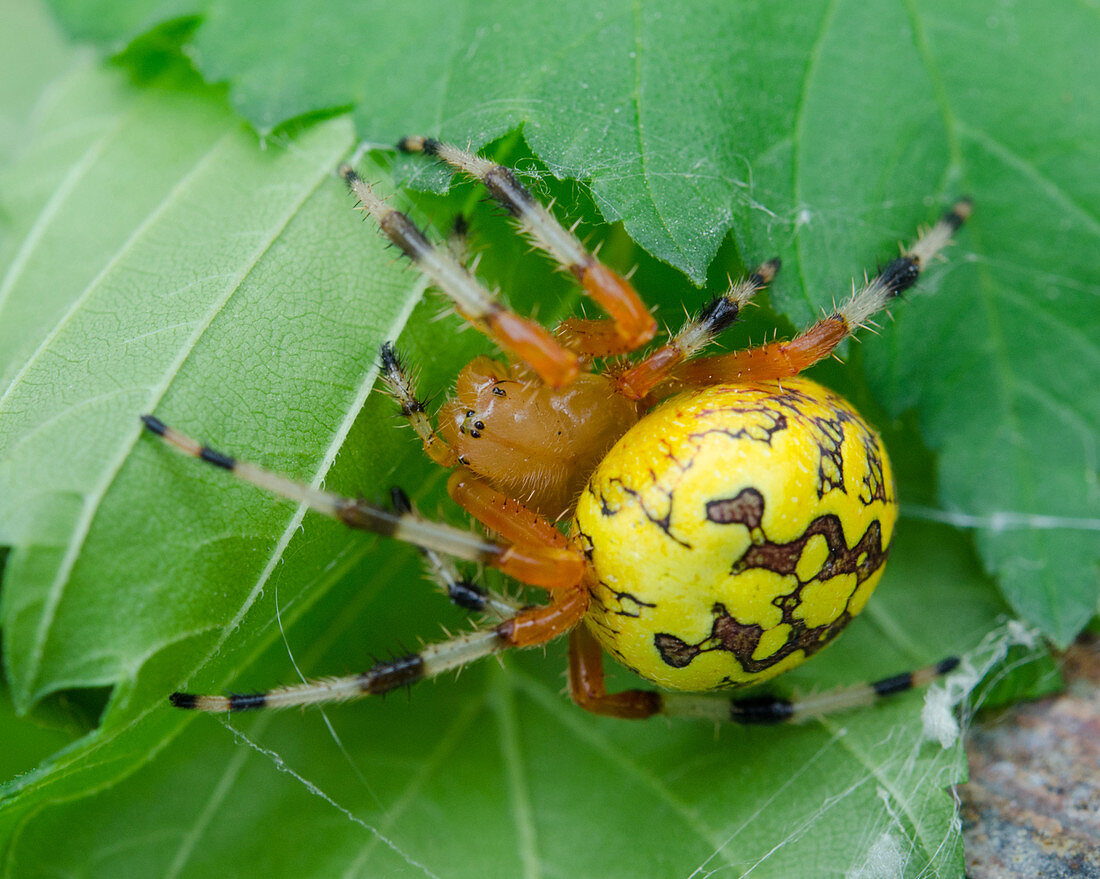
745 508
730 635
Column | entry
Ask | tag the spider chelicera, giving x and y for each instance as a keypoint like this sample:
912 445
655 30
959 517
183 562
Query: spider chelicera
727 518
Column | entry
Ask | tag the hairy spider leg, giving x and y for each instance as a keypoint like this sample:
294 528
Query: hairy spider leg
461 591
402 387
525 338
504 514
631 324
586 686
784 359
528 628
719 314
551 567
458 239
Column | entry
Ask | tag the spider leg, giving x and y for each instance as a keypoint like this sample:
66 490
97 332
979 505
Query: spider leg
597 337
586 686
402 388
695 335
529 341
525 629
783 359
538 564
458 240
631 324
462 592
503 514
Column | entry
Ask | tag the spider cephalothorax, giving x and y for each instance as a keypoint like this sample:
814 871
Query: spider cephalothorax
726 517
535 442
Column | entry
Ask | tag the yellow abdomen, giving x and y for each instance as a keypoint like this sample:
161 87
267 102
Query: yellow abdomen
734 532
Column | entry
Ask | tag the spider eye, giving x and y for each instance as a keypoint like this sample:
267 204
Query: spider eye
499 391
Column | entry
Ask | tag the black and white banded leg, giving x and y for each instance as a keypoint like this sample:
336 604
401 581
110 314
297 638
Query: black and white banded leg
462 591
529 627
588 690
432 660
401 385
631 323
777 360
534 565
696 334
529 341
775 709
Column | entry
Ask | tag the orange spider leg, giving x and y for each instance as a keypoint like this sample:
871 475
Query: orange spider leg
535 346
500 513
631 322
539 554
771 361
587 688
529 341
783 359
543 624
696 334
592 338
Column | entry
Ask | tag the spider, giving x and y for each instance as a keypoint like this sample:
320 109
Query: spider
727 517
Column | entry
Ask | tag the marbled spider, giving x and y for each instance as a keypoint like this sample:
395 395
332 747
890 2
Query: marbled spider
727 518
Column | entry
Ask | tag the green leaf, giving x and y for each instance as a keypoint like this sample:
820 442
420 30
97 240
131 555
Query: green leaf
26 744
1002 366
155 258
116 24
150 240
